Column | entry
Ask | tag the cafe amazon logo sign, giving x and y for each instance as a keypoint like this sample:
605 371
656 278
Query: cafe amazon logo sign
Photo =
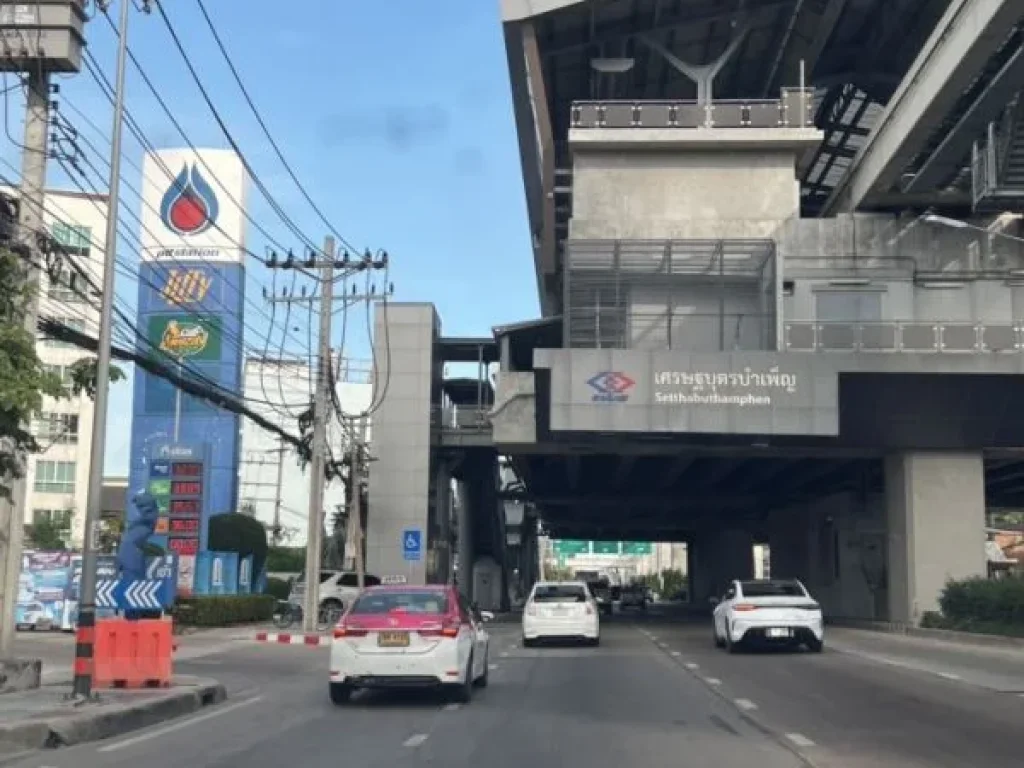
186 337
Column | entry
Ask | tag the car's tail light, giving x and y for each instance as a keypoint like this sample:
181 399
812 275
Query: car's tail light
346 629
744 607
451 627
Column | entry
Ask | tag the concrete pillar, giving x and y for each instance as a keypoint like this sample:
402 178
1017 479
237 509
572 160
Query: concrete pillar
443 509
935 512
719 557
467 509
400 478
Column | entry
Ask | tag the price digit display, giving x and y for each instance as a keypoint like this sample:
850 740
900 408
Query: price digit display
187 469
186 488
185 507
183 546
184 526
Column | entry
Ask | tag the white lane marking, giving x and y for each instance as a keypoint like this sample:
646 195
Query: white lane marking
492 667
415 740
949 675
712 681
746 704
217 712
451 707
663 646
799 739
677 653
691 665
504 654
653 637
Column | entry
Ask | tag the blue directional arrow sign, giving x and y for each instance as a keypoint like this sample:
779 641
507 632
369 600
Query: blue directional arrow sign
134 594
412 544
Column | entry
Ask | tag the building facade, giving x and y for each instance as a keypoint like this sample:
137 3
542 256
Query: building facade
273 487
58 476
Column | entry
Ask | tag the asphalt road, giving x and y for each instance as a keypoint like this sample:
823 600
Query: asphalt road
655 693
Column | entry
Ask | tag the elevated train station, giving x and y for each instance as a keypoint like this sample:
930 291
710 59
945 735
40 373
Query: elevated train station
780 266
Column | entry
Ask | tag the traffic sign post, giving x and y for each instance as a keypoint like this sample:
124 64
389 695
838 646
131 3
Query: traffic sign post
412 544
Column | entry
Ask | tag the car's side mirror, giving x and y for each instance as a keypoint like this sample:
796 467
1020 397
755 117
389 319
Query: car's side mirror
714 600
486 615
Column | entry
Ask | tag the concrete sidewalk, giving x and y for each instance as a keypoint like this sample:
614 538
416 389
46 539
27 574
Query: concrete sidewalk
994 668
45 718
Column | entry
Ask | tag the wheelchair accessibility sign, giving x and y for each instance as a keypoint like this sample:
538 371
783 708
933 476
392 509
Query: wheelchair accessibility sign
412 544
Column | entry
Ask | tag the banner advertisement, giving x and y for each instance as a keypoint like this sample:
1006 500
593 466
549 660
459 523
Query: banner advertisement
43 587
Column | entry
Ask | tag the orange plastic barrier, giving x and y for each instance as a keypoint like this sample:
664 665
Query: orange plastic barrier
132 654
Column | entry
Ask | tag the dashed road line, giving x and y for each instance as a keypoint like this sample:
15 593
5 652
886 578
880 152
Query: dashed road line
712 681
691 665
677 653
504 654
415 740
799 739
746 704
949 675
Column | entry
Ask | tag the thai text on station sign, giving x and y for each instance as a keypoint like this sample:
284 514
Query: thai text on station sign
744 389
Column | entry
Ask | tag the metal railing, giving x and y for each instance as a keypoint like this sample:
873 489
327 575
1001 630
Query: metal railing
913 336
795 109
461 417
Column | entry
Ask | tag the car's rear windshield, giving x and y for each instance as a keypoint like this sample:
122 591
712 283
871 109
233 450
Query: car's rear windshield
771 589
413 601
550 593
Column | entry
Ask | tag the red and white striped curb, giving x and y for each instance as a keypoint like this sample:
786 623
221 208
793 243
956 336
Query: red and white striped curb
287 638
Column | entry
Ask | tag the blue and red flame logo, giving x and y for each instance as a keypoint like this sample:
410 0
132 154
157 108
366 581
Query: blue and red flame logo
610 387
190 205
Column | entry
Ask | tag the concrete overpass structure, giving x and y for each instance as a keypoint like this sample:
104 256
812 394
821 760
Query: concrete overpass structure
715 363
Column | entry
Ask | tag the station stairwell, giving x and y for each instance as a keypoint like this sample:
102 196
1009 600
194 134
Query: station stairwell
998 163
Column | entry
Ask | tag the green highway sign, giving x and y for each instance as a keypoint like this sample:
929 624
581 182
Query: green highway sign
606 547
570 547
637 548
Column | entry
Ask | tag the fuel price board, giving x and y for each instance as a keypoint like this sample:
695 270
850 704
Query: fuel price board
185 507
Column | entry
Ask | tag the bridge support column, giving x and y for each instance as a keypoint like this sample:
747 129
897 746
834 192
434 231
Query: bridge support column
718 558
935 512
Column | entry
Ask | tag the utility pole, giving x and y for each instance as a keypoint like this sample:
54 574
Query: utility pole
356 480
320 410
324 265
30 225
82 686
276 531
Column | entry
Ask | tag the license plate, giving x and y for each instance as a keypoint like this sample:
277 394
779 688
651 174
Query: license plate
778 632
393 639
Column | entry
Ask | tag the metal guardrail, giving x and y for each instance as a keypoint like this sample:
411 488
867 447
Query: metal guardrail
913 336
794 110
461 417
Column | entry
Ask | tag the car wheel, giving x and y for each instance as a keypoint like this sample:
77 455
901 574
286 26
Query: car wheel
815 645
730 646
719 642
341 693
528 643
463 692
481 682
596 641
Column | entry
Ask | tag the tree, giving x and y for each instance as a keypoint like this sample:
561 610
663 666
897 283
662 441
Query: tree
48 535
24 380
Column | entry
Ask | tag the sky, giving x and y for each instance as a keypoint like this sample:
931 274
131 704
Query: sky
396 117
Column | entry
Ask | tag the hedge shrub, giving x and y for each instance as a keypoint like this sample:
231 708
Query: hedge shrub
224 610
981 600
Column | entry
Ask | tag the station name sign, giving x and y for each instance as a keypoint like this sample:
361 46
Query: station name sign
747 388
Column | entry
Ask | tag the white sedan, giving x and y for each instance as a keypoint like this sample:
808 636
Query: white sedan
768 611
410 637
560 609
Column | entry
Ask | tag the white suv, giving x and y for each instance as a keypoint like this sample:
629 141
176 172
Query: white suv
337 588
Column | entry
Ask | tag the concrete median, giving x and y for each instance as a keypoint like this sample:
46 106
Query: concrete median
48 724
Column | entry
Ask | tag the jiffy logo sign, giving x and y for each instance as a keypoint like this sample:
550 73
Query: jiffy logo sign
610 387
186 286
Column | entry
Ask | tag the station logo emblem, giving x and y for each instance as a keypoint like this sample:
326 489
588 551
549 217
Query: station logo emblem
610 387
189 206
182 338
186 286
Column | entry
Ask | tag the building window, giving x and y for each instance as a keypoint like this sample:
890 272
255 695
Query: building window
63 372
57 429
75 323
75 238
68 286
849 306
55 477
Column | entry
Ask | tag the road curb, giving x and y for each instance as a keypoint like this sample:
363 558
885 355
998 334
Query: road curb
289 638
948 636
102 721
752 720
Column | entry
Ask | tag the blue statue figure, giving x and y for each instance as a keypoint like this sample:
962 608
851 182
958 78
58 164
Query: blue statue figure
131 562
